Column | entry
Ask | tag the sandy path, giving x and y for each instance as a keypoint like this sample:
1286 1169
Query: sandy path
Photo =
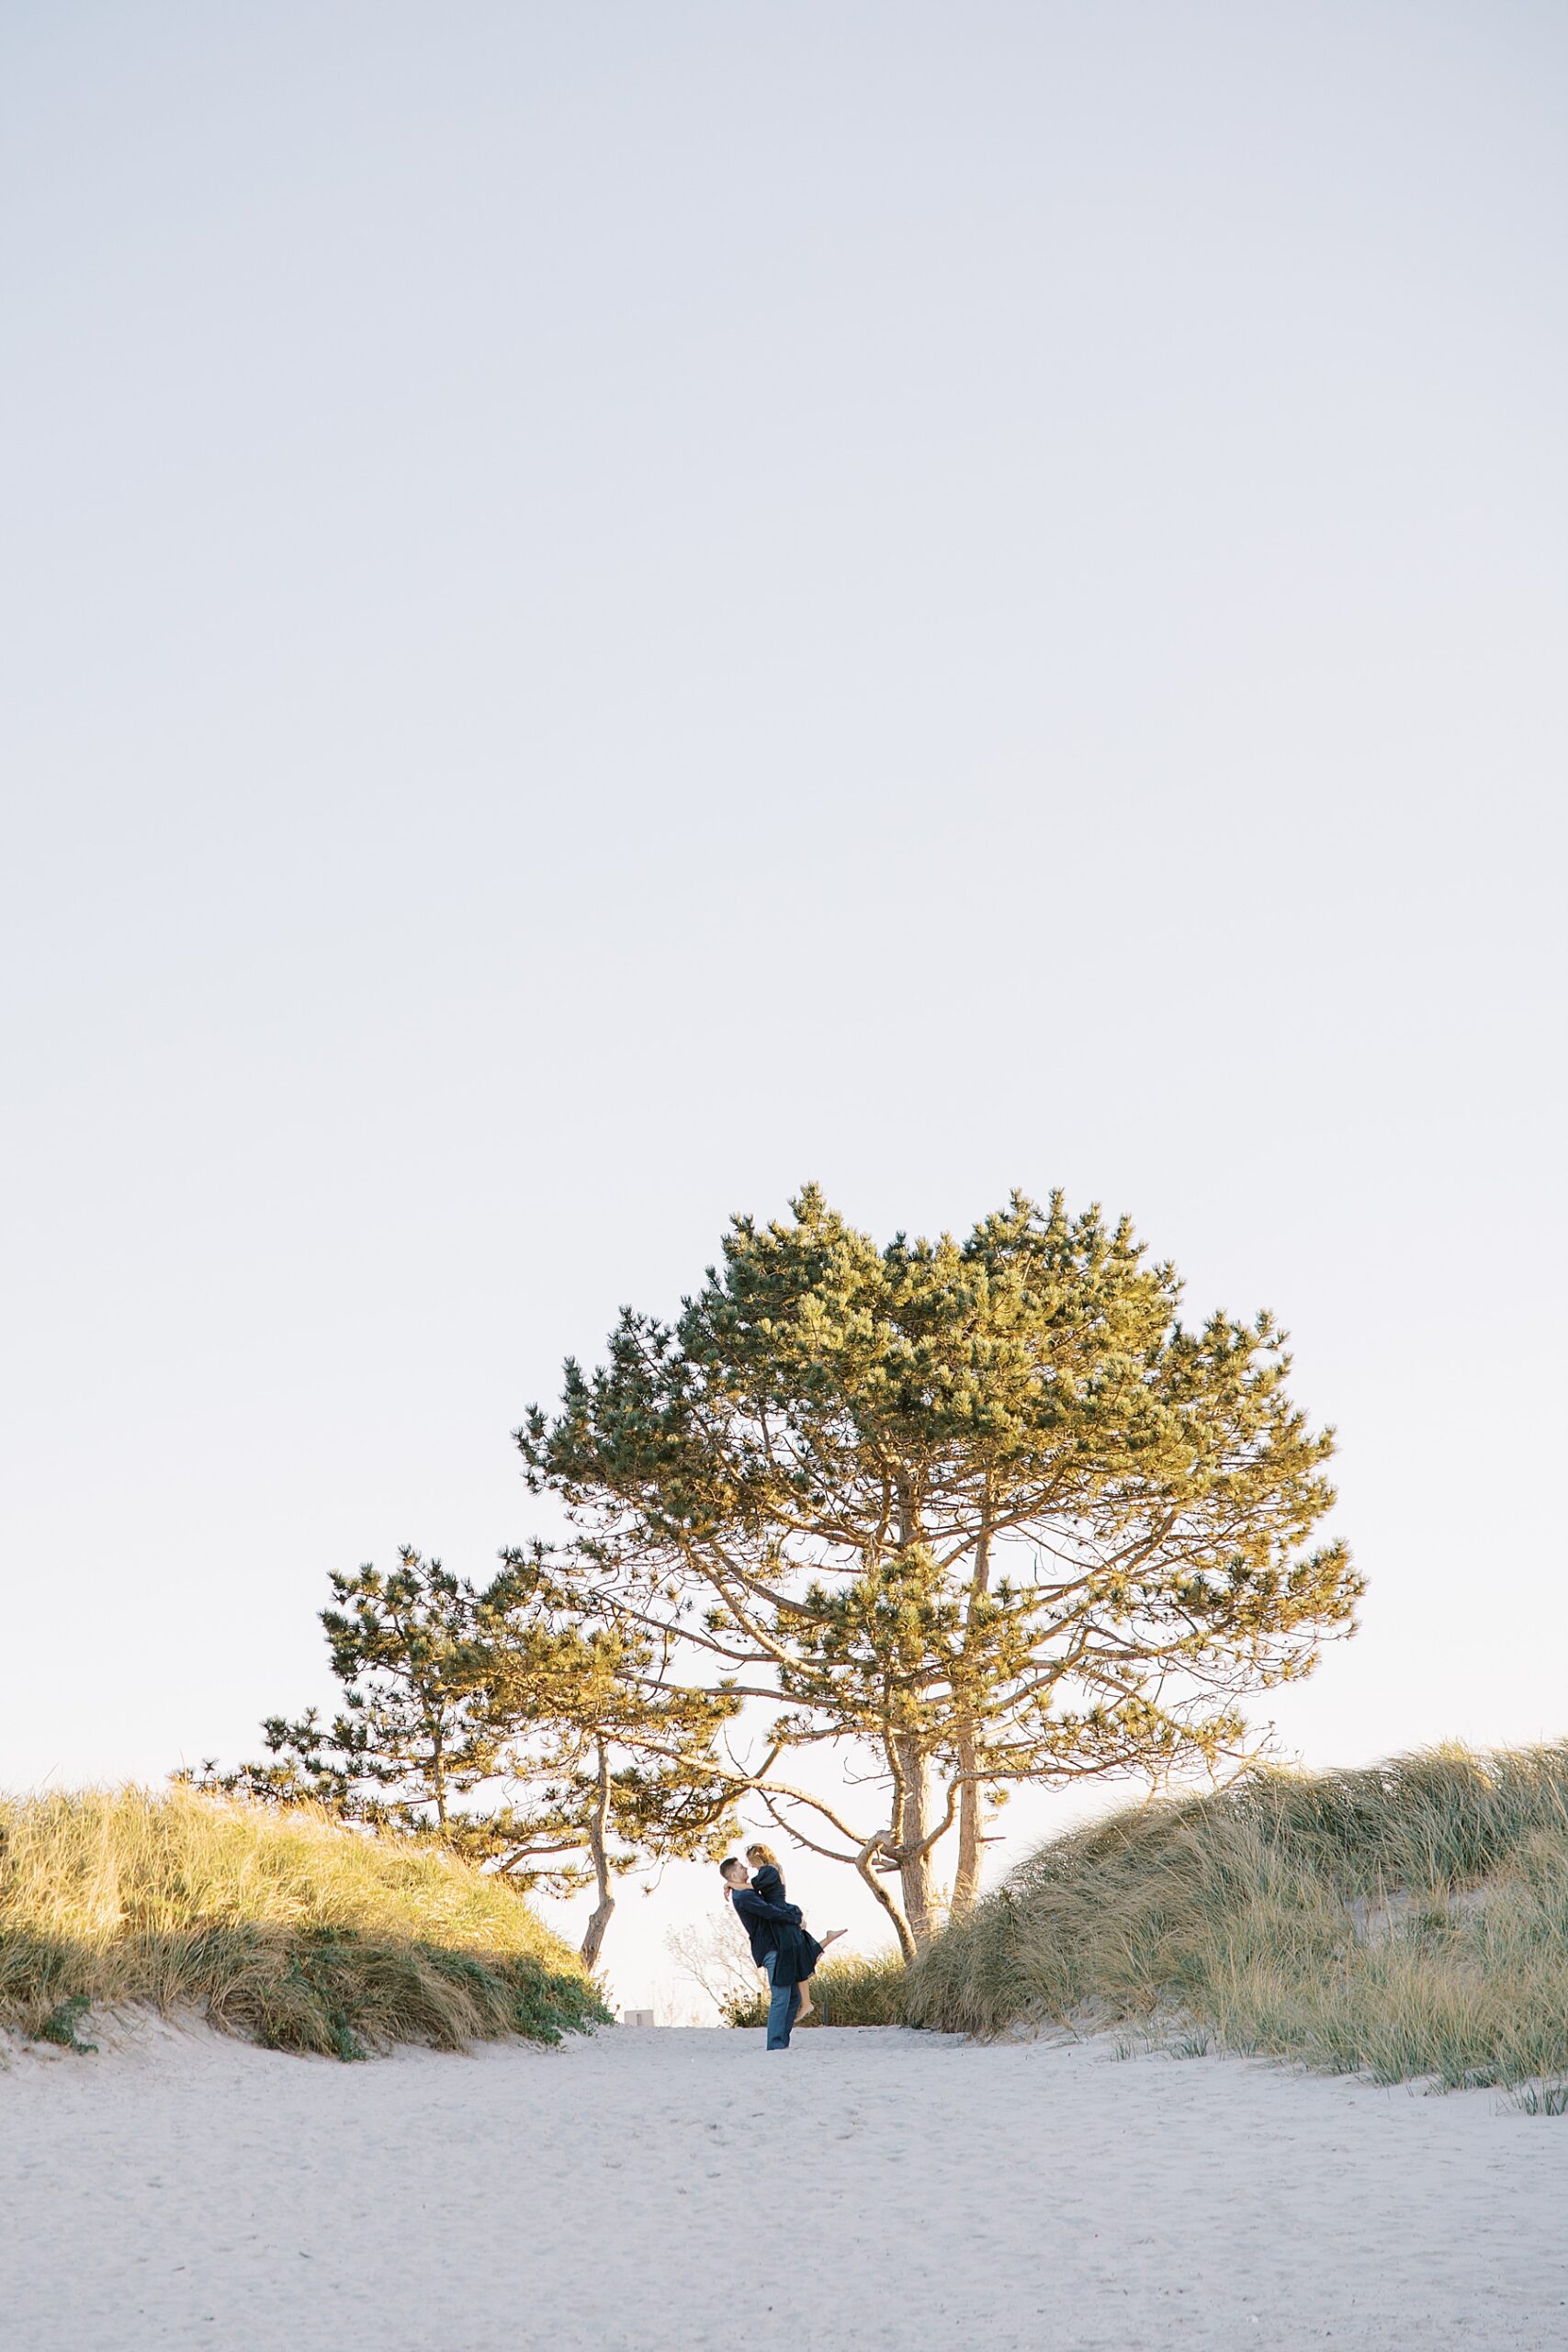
672 2191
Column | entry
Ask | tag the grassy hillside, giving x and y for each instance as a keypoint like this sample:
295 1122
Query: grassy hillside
283 1926
1410 1919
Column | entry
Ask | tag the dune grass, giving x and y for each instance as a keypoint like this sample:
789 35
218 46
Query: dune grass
1407 1920
853 1990
283 1926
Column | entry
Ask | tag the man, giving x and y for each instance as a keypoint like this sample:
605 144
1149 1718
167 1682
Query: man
762 1922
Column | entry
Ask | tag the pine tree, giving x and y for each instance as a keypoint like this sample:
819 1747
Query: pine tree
981 1513
413 1737
613 1762
503 1721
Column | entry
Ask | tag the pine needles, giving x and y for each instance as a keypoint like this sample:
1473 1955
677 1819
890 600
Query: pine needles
282 1927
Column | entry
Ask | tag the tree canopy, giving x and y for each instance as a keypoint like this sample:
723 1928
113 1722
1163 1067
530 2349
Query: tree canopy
981 1511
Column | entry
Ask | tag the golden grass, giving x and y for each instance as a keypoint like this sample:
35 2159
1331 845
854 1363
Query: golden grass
281 1926
1316 1916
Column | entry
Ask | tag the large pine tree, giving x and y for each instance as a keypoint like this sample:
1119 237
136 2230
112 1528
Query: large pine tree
982 1512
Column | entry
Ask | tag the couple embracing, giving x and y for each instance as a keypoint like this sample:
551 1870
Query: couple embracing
779 1944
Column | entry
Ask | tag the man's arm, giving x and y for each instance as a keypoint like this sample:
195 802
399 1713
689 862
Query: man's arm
752 1907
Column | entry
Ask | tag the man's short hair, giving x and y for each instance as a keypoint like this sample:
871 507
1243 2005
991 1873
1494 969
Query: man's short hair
730 1862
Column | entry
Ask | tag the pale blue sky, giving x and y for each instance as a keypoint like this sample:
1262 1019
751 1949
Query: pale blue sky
610 608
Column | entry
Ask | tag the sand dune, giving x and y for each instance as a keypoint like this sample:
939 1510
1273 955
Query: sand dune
672 2191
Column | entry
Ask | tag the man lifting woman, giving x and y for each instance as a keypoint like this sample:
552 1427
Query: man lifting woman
780 1944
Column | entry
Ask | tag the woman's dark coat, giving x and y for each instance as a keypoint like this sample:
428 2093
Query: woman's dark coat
796 1953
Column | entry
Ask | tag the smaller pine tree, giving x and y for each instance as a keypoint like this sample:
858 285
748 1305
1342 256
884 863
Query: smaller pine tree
506 1722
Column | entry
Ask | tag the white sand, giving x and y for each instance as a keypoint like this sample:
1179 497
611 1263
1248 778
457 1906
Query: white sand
672 2191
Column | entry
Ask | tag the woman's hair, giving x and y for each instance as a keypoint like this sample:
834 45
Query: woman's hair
761 1853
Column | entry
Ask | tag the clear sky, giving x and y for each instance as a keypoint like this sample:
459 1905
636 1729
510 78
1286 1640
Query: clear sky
610 608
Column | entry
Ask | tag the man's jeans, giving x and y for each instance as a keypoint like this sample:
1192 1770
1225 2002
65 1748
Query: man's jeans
784 2007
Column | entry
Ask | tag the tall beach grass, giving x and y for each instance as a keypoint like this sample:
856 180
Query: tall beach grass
1410 1919
286 1928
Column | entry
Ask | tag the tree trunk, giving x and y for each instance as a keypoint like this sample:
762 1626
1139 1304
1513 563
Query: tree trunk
966 1878
914 1827
598 1823
912 1787
879 1892
971 1816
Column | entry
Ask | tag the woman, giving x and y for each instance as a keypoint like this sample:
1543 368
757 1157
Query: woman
798 1950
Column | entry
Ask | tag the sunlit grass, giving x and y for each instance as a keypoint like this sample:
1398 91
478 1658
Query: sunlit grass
1317 1915
853 1990
283 1926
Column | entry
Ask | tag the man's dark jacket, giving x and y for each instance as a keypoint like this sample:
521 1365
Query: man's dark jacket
762 1920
